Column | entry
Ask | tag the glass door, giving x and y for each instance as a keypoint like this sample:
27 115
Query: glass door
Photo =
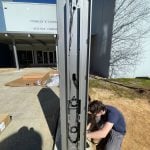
45 57
51 57
39 57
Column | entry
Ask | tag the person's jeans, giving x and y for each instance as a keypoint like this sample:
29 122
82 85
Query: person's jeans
112 142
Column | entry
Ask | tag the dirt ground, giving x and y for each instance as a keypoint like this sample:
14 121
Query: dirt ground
137 116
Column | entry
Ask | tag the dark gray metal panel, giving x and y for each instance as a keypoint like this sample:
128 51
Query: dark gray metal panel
102 22
85 43
61 9
73 50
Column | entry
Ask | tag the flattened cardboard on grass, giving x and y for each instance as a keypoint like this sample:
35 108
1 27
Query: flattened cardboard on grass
32 79
4 121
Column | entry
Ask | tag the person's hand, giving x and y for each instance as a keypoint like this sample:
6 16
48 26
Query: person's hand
88 135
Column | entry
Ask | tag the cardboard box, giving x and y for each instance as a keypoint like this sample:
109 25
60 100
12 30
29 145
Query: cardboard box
4 121
32 79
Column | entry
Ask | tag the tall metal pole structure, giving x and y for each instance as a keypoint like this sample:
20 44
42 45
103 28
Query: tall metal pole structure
74 34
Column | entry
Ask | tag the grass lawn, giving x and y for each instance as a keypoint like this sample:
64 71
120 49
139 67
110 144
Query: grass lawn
122 91
135 82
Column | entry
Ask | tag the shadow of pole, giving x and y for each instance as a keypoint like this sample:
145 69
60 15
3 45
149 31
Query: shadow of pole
24 139
51 108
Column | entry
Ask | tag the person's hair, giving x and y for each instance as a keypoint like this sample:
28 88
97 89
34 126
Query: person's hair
96 106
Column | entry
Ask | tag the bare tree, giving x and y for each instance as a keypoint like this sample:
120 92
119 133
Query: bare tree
130 26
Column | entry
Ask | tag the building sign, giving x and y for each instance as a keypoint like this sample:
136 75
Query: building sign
30 17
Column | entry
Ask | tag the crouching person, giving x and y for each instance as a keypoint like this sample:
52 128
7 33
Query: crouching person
112 132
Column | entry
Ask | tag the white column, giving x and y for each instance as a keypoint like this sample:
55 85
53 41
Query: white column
57 57
15 54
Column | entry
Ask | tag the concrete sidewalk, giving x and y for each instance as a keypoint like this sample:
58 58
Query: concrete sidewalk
34 112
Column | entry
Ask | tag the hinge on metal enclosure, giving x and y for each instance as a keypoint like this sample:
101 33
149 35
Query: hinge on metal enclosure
74 103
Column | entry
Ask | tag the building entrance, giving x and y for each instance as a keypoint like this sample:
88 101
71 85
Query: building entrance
36 58
46 57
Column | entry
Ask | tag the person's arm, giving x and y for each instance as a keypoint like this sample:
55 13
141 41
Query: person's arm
101 133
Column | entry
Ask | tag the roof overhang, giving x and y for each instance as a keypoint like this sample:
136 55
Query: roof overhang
30 39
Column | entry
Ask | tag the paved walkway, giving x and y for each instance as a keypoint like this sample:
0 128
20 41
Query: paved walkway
34 112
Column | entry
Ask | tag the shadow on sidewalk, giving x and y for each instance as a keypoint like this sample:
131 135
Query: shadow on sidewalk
50 105
24 139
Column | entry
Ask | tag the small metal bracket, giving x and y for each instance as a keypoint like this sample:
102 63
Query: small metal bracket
74 103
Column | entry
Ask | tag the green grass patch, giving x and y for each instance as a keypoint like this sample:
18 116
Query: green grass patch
135 82
121 91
